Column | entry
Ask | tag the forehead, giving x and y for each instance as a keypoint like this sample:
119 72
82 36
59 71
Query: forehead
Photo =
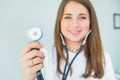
75 7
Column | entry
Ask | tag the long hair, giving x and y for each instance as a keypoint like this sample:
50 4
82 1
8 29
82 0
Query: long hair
93 47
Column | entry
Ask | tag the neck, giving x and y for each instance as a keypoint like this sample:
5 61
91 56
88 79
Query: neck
73 47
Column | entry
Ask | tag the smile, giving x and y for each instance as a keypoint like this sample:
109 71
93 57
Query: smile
74 32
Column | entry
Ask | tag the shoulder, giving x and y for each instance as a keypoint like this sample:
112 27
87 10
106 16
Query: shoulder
50 48
49 51
109 70
107 57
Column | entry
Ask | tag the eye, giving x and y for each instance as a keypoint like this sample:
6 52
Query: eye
83 17
67 17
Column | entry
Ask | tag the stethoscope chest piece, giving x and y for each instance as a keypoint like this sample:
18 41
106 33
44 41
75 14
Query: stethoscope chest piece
34 33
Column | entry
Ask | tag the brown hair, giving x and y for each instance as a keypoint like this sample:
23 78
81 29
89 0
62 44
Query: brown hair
93 47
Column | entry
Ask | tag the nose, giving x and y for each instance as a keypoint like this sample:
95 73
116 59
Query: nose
75 23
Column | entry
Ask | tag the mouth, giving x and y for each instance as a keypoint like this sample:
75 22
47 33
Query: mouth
75 32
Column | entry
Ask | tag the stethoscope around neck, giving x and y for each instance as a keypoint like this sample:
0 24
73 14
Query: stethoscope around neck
35 34
67 69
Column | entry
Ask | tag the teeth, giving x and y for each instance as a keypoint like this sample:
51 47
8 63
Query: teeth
74 32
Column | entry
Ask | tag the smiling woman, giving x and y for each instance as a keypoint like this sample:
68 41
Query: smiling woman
74 24
77 53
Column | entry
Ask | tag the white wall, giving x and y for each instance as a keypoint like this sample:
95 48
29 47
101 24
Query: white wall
16 16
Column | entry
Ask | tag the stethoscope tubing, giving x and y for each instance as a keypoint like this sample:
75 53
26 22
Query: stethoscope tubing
66 70
39 75
65 73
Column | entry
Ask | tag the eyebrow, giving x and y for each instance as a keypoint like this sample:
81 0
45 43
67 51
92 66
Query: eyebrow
71 14
67 14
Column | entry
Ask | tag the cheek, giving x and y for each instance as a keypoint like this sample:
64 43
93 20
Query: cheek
85 25
64 26
85 28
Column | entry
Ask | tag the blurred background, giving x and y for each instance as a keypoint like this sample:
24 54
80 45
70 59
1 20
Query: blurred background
17 16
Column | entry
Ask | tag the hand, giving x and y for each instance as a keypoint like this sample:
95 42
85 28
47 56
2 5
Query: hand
31 60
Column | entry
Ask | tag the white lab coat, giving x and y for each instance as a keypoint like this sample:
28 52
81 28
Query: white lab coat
78 66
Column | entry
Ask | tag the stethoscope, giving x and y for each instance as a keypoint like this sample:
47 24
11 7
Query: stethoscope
67 69
35 34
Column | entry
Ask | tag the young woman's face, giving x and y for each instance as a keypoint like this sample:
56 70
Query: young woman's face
75 22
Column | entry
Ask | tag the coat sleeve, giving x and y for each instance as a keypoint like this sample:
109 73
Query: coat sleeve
109 71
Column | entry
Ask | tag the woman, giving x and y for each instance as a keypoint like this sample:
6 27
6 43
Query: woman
75 19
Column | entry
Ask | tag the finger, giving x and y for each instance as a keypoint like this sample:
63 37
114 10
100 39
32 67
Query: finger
37 60
30 46
34 53
32 62
37 67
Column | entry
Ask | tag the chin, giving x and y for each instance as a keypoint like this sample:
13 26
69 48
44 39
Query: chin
76 40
